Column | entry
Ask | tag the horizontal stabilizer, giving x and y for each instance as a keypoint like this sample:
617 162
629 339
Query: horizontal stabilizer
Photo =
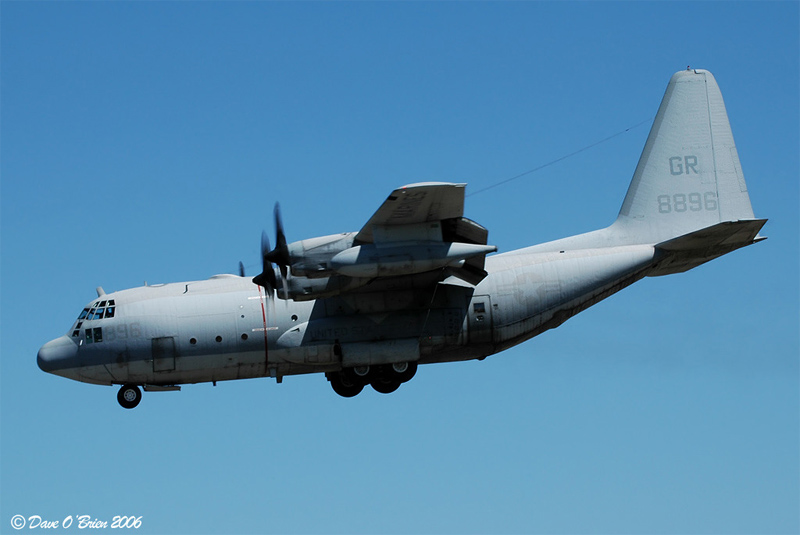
690 250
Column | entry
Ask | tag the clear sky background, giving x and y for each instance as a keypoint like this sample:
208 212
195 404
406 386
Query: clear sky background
149 141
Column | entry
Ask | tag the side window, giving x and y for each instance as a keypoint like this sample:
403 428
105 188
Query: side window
110 312
94 335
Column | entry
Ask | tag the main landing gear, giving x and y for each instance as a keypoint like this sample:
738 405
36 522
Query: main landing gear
387 378
129 396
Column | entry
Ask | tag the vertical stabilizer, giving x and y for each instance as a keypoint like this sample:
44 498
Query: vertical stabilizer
688 177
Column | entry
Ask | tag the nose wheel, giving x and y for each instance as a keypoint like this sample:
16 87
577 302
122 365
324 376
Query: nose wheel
129 396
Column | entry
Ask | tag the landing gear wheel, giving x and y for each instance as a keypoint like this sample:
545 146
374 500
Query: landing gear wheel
385 386
343 386
355 376
129 396
404 371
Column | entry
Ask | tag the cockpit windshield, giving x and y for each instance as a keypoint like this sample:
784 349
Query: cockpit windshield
96 311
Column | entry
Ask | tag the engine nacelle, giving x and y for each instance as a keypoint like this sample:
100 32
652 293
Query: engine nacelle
310 258
307 289
369 261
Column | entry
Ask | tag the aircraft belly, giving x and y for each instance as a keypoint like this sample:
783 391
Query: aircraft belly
380 352
96 374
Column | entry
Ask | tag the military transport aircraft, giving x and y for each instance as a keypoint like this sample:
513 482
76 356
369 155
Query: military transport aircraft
415 284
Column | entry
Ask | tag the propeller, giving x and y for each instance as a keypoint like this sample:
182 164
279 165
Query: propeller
267 276
279 255
241 270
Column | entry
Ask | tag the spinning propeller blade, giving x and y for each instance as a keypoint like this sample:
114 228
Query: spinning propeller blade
267 276
279 255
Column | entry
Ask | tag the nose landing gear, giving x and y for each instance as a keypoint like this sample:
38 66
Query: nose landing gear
129 396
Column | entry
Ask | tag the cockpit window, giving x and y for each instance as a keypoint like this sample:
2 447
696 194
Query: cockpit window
98 310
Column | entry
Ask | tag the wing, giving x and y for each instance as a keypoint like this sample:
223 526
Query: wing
418 236
410 207
424 223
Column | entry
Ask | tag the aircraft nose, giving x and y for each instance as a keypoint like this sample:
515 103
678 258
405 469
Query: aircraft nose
58 354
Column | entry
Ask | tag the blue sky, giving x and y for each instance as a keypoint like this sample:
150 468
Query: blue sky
149 141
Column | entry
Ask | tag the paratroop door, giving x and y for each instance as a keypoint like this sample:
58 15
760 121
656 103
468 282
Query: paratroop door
480 319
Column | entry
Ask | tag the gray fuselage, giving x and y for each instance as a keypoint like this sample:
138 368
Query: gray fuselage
225 328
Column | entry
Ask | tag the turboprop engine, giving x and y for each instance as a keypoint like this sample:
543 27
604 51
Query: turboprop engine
390 260
329 265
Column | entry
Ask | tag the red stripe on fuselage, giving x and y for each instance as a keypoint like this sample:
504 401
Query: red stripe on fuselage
264 317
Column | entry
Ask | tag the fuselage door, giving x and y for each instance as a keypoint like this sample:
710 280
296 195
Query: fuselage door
480 319
164 354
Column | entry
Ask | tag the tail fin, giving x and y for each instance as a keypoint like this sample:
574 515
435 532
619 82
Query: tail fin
688 177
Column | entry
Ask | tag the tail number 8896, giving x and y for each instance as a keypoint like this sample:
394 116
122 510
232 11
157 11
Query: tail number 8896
687 202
